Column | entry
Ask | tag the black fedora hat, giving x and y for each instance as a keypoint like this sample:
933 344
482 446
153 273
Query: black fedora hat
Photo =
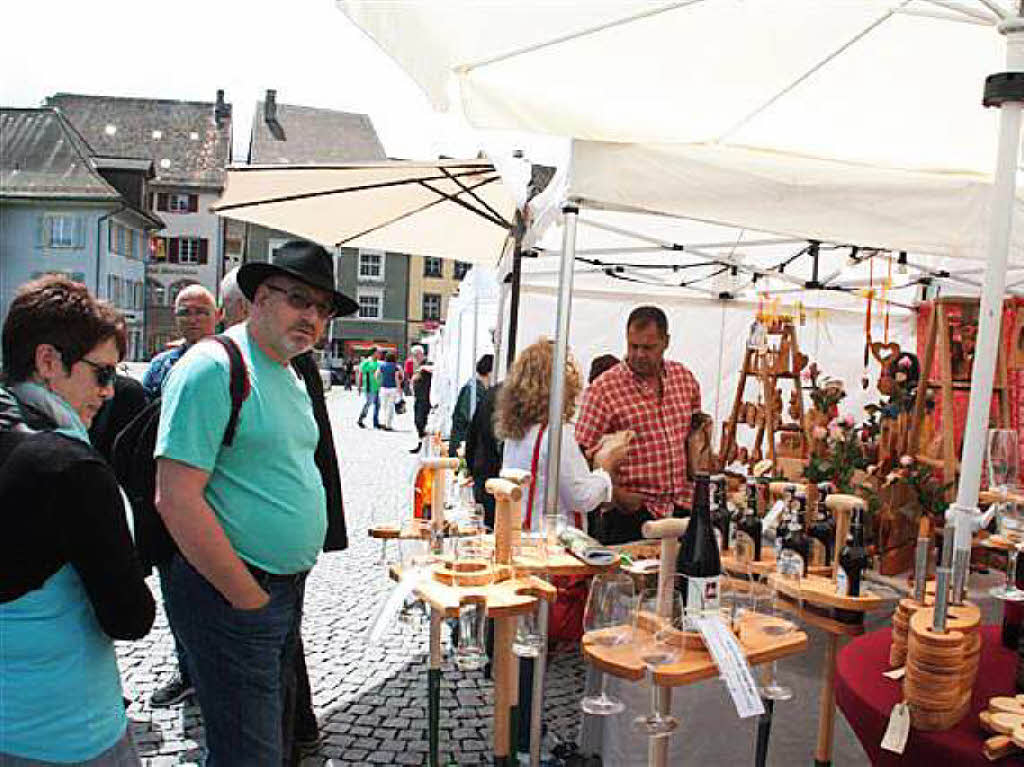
304 261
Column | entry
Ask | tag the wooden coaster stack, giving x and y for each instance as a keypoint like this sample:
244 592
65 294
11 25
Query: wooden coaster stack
901 626
1004 720
941 667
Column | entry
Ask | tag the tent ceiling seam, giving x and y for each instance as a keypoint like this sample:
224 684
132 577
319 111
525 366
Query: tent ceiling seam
813 70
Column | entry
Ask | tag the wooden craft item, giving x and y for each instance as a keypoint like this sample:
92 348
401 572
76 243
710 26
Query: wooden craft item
841 506
1016 357
507 517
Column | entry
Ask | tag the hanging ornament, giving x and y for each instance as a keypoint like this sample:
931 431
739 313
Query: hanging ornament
864 381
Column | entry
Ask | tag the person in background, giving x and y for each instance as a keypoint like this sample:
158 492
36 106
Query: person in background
249 520
601 364
483 452
349 371
369 385
117 412
412 364
195 315
234 306
390 378
421 407
70 581
656 399
463 412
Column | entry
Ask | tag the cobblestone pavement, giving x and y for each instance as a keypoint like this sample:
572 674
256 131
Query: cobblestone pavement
371 702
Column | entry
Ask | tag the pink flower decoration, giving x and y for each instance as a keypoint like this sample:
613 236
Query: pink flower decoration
805 374
904 362
906 460
819 432
848 421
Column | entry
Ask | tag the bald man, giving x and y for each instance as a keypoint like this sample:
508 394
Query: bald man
195 315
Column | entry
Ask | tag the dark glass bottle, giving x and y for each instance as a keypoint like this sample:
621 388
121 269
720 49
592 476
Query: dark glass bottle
1013 613
698 561
796 549
853 559
748 533
823 529
720 511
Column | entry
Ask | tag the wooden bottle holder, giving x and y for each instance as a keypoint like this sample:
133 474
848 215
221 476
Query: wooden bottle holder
905 610
941 668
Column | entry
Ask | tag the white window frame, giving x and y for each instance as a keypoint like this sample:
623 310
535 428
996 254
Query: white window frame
192 251
440 304
463 266
440 271
272 245
370 273
377 293
66 225
177 202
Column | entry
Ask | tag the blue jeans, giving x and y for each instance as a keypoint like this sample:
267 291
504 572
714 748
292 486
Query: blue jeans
371 398
242 664
163 569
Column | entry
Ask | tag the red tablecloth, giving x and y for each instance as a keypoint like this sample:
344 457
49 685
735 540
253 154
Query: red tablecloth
866 698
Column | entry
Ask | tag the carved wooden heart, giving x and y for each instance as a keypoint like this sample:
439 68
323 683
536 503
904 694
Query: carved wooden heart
885 353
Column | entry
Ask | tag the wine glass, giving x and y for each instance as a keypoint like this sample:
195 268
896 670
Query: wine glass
657 636
608 621
1011 526
769 604
1003 459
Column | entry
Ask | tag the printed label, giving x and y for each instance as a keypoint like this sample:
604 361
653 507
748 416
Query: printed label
842 582
733 532
702 595
790 563
732 664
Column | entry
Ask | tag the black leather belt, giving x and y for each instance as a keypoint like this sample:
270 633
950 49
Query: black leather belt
260 574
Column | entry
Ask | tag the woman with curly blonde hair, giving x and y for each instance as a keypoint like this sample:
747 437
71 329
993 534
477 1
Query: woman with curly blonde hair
521 420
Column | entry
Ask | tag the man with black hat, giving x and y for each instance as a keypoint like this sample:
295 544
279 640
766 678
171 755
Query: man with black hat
249 519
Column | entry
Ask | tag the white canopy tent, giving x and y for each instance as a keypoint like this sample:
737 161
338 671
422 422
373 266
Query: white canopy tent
890 83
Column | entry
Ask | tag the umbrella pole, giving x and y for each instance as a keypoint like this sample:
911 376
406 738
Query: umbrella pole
434 688
513 311
1007 94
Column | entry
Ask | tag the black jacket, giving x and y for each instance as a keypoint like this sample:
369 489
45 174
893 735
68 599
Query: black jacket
483 450
60 504
326 456
128 401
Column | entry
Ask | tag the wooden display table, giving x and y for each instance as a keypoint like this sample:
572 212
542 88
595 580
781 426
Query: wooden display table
764 566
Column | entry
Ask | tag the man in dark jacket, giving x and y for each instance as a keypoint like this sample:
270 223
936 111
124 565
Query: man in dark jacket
463 413
483 452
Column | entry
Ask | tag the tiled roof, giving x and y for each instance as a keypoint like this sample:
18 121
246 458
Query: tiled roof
314 136
41 155
180 137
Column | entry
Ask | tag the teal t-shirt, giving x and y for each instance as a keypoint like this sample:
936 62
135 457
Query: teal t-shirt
368 367
265 489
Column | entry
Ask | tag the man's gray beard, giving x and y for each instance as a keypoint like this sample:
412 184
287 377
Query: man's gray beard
293 350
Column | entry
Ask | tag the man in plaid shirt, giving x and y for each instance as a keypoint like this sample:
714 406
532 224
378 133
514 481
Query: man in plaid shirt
655 398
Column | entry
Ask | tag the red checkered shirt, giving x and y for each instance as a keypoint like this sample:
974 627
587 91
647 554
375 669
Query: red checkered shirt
655 465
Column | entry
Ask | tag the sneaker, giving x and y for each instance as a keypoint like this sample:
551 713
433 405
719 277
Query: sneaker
360 424
173 692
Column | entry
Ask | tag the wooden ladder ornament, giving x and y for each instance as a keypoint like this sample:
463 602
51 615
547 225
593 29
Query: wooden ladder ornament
939 338
768 368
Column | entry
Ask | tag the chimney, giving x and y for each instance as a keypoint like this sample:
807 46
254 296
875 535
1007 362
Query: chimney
221 110
270 115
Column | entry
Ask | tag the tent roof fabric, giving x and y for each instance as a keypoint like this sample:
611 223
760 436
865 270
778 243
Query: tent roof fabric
449 209
893 82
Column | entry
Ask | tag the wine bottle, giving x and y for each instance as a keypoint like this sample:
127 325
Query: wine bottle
853 559
720 512
748 529
698 560
823 530
796 550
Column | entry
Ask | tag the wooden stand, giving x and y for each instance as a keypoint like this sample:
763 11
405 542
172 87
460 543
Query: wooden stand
940 335
769 367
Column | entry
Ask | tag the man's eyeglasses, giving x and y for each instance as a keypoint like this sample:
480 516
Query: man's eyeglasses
104 373
193 311
301 301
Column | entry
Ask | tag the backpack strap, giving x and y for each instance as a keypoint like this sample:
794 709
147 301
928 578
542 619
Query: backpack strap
239 385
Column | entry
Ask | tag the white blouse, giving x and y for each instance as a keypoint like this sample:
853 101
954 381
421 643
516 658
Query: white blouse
580 489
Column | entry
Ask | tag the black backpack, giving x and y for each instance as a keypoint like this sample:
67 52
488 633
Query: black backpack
135 467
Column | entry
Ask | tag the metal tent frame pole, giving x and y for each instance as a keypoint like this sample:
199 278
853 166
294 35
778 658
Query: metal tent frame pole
964 513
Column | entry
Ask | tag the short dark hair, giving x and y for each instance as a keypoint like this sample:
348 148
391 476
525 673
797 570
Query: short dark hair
391 357
485 365
54 310
600 365
643 316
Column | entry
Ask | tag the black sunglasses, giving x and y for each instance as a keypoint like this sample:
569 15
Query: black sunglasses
301 302
104 373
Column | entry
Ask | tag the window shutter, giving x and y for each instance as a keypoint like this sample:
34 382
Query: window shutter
193 203
161 201
172 255
203 245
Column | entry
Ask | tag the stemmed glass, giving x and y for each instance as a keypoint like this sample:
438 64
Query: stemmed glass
1003 459
657 635
768 601
1011 526
608 621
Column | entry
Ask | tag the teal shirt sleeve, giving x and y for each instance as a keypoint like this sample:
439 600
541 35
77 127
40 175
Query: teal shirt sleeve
194 410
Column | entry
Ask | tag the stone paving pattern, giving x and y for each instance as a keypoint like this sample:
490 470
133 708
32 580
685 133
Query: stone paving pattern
371 702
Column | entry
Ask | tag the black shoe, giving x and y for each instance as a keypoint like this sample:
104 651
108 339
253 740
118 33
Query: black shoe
308 745
360 424
416 449
173 692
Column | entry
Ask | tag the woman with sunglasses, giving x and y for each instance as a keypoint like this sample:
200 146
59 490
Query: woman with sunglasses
70 582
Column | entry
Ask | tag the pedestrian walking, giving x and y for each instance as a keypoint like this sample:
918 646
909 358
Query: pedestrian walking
369 386
421 407
390 377
249 520
464 408
70 581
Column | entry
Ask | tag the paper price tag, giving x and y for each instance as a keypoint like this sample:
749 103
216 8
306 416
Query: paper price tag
896 734
732 663
896 674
